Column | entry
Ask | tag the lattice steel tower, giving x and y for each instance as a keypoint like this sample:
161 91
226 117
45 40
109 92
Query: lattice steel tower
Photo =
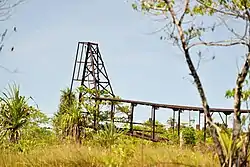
89 70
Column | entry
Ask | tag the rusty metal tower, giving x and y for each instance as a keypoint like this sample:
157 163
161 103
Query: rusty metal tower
89 70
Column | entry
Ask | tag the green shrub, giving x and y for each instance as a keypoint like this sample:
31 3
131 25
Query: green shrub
199 136
172 136
188 134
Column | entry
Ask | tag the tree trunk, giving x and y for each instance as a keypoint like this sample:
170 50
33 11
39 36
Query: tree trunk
197 82
77 134
205 105
244 157
239 157
14 136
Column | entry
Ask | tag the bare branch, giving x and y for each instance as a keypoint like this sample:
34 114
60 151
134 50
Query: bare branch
237 66
2 4
8 70
5 8
164 27
219 43
241 37
6 17
199 61
190 80
184 12
10 6
161 19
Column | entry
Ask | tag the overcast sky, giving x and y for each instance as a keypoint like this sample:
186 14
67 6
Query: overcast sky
140 65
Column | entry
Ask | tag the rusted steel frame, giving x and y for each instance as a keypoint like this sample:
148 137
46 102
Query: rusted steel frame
112 112
134 123
147 137
179 122
96 113
87 43
80 62
105 71
205 127
71 86
176 107
199 120
221 118
131 117
143 130
226 114
173 120
226 119
153 121
84 68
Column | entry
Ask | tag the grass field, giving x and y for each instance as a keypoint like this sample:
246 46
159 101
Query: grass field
118 155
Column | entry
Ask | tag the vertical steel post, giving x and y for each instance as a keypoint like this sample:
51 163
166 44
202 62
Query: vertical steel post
205 127
131 117
173 120
226 119
112 112
153 122
73 75
179 122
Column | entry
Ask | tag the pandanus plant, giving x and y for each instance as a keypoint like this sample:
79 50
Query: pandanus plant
73 121
109 134
14 113
229 147
67 100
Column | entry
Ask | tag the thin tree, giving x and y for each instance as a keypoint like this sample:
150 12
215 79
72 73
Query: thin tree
230 11
184 29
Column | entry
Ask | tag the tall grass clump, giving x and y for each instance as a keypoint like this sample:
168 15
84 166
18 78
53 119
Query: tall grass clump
121 155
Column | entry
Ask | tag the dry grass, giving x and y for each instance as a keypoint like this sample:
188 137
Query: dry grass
131 156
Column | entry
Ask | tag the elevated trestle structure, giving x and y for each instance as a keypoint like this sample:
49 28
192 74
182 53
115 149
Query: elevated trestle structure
89 71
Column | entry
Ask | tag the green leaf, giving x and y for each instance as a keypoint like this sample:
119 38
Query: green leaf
134 6
161 4
229 93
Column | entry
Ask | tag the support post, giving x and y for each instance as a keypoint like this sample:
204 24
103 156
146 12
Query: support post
205 127
153 122
226 120
72 80
179 122
131 117
221 118
112 112
95 118
173 120
189 118
199 118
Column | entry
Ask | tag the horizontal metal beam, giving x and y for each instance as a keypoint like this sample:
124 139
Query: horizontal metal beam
173 107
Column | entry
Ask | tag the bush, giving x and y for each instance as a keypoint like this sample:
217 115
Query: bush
188 134
172 136
199 136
